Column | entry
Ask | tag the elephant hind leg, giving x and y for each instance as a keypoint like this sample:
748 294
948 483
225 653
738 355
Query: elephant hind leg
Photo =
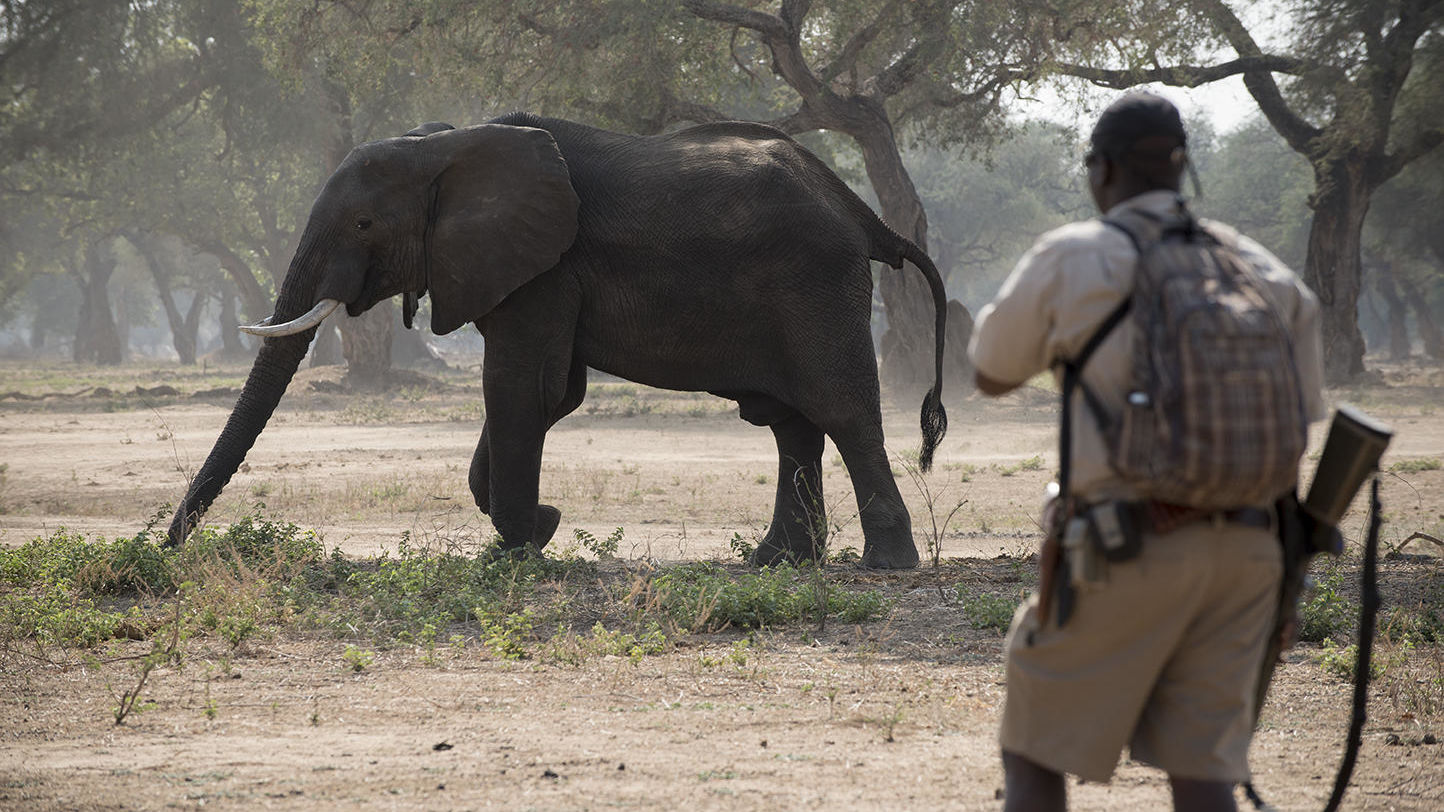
798 531
886 526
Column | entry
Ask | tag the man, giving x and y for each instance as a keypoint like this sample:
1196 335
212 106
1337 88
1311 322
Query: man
1161 654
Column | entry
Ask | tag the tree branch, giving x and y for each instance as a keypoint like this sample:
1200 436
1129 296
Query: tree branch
1183 75
896 77
767 25
1299 134
781 36
847 59
1421 145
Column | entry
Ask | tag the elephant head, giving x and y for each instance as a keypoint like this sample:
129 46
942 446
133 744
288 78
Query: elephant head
468 214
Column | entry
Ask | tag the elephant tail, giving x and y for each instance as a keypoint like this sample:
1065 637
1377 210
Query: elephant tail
934 416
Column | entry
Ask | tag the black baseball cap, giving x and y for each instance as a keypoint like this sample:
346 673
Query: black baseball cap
1133 117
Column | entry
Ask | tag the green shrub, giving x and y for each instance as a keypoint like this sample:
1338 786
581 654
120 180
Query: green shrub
52 614
1414 466
706 596
1325 612
985 611
601 548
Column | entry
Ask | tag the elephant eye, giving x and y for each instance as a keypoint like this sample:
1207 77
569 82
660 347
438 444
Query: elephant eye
363 223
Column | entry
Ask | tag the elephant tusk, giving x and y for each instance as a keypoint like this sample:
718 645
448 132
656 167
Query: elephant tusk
318 313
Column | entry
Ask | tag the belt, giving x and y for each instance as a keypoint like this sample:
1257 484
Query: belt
1165 517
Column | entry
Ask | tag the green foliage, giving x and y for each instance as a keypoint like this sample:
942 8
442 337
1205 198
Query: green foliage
357 659
601 548
706 596
400 596
235 584
602 642
742 549
987 611
506 633
1414 466
51 614
1326 612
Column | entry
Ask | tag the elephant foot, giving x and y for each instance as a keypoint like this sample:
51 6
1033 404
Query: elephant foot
548 519
900 554
779 547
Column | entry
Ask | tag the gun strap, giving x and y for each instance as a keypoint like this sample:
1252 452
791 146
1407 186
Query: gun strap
1368 612
1368 615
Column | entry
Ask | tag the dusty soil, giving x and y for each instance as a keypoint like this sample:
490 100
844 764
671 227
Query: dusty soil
899 714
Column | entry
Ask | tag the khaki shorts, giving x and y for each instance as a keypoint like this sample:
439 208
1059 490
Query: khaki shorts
1163 658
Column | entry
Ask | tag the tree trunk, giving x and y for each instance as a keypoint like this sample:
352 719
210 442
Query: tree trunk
409 348
37 333
908 344
96 337
326 349
182 327
257 303
1340 202
366 344
1428 328
231 344
1398 312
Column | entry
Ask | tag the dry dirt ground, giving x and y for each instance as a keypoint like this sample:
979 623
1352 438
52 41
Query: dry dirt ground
896 714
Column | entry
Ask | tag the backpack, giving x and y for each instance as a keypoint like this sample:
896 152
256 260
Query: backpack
1214 417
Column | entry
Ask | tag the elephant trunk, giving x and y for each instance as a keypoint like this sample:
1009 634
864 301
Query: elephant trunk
275 365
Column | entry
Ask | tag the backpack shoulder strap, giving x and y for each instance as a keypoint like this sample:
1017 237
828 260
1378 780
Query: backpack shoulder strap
1072 379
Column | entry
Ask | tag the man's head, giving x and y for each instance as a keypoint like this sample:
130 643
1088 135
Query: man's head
1138 145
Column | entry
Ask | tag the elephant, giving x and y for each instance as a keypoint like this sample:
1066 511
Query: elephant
723 257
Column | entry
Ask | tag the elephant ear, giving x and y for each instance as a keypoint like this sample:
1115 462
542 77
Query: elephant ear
503 211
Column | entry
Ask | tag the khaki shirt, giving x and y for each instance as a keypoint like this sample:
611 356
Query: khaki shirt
1062 290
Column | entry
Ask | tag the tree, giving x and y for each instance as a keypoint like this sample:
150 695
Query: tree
985 211
1354 106
1404 241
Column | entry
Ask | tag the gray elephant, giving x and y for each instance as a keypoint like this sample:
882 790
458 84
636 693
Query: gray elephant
723 258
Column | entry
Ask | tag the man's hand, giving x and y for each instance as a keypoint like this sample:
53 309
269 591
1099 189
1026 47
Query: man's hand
993 388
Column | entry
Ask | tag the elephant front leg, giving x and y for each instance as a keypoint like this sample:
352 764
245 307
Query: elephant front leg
479 479
799 517
526 394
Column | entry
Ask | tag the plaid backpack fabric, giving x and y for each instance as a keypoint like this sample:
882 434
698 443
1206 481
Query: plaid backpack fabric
1214 418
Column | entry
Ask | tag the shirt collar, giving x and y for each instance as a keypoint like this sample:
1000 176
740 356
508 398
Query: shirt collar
1161 202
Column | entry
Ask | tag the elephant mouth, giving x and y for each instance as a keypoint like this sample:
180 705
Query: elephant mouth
305 322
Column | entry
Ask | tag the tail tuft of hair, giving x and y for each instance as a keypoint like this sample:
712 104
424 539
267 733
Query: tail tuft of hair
934 425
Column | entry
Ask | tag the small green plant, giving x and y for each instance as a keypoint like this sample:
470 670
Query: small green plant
1343 661
1414 466
742 549
505 633
933 501
705 596
357 659
986 611
603 549
1326 612
601 642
